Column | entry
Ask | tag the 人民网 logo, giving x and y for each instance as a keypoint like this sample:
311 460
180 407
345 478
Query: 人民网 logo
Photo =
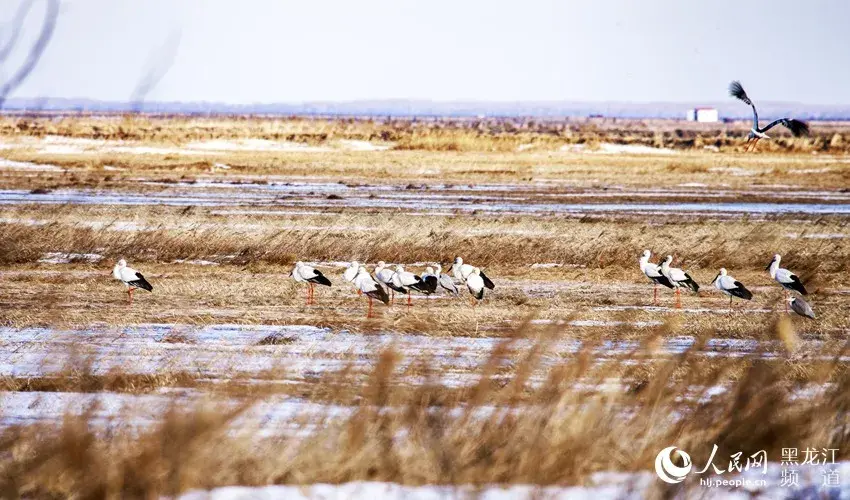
667 470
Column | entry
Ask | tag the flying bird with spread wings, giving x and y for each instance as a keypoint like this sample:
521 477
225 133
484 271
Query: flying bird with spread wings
797 127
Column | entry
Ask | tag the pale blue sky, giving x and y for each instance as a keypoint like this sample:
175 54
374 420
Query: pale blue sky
287 51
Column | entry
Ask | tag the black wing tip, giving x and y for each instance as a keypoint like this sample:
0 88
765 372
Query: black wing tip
380 294
489 284
798 128
690 283
320 279
142 283
662 280
797 285
741 292
736 90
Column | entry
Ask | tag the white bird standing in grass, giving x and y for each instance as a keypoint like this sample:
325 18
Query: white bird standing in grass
801 307
384 276
653 272
350 274
786 278
731 287
461 271
680 279
310 275
446 282
407 281
475 284
131 278
369 287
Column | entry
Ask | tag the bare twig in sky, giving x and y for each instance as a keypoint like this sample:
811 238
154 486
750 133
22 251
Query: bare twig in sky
35 53
159 64
13 30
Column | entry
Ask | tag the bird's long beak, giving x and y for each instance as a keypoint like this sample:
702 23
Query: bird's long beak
715 278
768 266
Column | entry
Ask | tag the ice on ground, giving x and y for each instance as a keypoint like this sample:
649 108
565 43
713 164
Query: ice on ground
27 165
735 171
354 145
610 148
67 258
220 145
195 262
300 352
755 483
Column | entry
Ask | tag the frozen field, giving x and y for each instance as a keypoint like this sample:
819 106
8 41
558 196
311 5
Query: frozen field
566 381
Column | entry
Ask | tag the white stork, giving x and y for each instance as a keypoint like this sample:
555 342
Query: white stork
796 127
131 278
475 284
653 272
679 278
731 287
461 271
310 275
384 275
786 278
407 281
370 288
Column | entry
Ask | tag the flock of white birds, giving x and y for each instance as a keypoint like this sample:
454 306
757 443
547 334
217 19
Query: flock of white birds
675 278
383 283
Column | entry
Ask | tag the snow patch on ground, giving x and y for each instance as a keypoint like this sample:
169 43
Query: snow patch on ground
220 145
354 145
26 165
67 258
752 484
734 171
610 148
195 262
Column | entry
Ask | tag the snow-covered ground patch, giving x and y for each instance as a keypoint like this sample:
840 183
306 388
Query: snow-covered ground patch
195 262
221 145
26 165
67 258
355 145
811 482
734 171
610 148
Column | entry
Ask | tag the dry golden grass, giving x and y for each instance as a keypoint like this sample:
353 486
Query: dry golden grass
535 412
493 134
551 433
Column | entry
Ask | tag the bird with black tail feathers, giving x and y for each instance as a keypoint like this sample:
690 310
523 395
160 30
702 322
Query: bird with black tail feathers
731 287
798 128
678 278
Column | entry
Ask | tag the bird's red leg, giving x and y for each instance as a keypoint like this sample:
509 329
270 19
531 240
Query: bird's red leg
678 299
409 303
369 311
655 295
786 300
130 295
392 296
